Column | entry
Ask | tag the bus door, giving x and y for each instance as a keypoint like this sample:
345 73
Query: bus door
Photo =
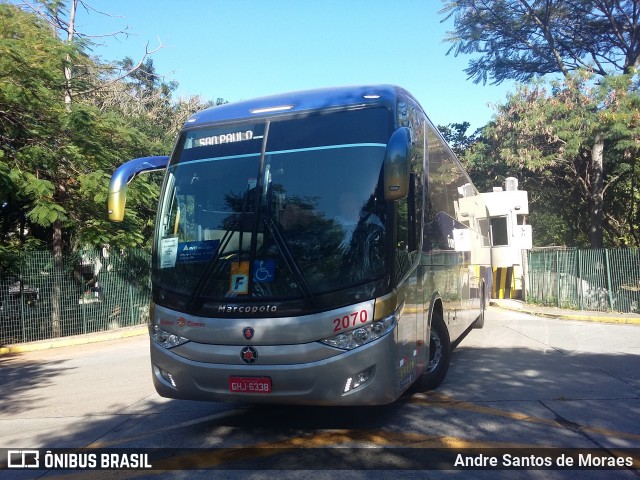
412 351
411 342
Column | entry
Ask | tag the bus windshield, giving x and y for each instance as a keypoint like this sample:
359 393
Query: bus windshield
276 210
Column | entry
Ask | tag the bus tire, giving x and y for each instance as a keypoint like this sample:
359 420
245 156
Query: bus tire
439 354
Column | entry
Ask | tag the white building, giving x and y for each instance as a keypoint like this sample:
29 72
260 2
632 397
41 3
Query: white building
510 234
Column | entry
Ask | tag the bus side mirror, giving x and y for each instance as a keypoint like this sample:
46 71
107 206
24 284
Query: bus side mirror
121 178
396 165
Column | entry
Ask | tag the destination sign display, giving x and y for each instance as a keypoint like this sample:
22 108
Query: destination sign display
231 137
219 136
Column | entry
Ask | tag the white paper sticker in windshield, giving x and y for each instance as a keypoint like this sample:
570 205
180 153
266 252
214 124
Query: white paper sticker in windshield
168 252
197 251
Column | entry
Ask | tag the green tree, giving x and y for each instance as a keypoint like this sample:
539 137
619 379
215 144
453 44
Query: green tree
59 146
544 136
34 122
66 122
525 39
32 111
457 137
55 151
144 99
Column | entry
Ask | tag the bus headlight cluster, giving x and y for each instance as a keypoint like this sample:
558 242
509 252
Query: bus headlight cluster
363 335
166 339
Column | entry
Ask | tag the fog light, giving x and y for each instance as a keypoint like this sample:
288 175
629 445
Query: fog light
347 385
166 376
358 380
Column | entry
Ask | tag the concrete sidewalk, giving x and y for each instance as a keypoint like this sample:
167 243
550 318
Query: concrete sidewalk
74 340
566 314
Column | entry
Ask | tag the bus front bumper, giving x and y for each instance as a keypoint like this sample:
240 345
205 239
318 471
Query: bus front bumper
328 381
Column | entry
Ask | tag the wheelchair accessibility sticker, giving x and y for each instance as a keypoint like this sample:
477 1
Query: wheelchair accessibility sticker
264 271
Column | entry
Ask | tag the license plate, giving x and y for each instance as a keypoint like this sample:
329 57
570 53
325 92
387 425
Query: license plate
250 384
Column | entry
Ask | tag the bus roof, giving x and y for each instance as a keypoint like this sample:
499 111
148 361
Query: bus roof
296 102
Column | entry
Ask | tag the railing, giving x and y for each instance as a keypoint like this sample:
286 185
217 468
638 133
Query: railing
96 290
585 279
91 291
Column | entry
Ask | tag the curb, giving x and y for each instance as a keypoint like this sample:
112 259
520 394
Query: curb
584 317
75 340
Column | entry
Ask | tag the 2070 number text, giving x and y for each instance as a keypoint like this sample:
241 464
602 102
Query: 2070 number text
351 320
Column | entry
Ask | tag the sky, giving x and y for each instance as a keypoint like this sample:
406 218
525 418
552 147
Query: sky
241 49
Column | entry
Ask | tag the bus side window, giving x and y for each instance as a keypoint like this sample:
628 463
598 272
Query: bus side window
409 210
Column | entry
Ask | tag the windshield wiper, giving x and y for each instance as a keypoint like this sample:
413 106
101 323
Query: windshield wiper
289 259
213 262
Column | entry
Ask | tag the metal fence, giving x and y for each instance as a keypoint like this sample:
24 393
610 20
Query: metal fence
92 291
595 279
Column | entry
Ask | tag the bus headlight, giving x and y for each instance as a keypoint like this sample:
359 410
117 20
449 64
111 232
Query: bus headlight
166 339
363 335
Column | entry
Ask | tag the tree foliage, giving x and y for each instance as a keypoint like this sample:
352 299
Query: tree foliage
56 156
522 39
543 135
456 136
584 42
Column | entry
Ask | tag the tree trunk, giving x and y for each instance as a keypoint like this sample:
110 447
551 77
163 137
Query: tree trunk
56 295
635 235
68 93
597 189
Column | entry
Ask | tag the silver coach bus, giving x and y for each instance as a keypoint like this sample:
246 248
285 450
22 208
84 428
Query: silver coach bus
321 247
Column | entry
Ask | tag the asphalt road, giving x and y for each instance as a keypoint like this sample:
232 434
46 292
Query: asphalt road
519 384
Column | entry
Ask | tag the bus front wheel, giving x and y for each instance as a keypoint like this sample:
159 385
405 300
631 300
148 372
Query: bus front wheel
439 354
